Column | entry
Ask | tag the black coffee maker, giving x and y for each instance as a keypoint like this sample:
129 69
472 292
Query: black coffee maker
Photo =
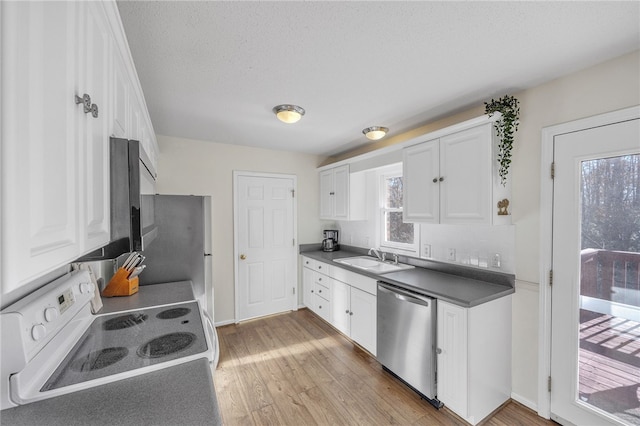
330 241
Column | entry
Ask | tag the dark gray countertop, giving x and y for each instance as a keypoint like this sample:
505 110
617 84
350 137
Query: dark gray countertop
180 395
150 295
462 286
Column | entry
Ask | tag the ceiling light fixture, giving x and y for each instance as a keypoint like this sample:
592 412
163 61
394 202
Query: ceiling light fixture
288 113
375 132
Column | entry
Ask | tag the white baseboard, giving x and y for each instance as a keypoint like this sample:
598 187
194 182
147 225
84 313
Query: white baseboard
524 401
226 322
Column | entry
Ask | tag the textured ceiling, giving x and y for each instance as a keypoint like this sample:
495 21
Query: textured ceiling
214 70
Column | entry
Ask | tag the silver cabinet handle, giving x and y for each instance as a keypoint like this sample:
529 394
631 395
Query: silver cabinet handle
87 106
85 100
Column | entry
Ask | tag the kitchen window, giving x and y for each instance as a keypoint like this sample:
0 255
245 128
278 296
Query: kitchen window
395 235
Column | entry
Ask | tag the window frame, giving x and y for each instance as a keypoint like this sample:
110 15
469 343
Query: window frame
391 246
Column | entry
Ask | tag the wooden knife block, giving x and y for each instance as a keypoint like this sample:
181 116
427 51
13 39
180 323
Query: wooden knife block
121 285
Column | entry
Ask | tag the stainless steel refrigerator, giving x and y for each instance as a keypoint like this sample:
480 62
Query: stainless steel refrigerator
182 249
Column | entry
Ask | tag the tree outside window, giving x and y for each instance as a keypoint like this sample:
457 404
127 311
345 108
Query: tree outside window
394 232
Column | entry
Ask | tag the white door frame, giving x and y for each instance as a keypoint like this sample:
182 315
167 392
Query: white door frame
236 254
546 241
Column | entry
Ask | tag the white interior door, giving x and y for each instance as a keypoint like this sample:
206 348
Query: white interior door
266 276
595 297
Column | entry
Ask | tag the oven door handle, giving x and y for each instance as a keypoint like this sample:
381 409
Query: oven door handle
213 336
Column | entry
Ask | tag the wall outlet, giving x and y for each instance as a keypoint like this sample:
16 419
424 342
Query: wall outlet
495 260
426 250
451 254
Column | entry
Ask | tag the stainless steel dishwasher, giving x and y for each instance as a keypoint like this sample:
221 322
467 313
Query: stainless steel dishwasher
406 338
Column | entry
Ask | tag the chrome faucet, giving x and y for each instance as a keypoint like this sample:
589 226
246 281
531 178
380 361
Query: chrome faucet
376 252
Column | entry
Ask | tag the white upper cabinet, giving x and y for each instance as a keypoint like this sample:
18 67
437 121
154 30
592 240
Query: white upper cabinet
55 153
421 196
342 194
453 179
96 62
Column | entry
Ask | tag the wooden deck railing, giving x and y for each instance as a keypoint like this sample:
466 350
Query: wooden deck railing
611 275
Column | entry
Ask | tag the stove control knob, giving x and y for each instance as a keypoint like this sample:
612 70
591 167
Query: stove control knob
86 288
38 331
50 314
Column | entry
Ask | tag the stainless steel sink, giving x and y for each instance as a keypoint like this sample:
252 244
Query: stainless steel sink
372 265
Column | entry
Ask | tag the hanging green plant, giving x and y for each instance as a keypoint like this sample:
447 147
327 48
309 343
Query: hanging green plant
506 126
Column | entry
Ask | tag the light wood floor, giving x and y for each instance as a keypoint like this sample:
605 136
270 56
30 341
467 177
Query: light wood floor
295 369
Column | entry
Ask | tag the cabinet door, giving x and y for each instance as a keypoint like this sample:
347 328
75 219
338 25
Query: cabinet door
363 320
420 167
465 166
452 357
341 303
96 65
307 287
326 194
341 192
40 176
121 92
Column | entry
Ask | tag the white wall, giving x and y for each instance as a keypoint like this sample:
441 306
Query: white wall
605 87
471 242
206 168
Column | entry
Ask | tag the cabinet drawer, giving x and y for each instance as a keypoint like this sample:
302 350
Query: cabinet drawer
308 262
322 286
361 282
322 268
321 279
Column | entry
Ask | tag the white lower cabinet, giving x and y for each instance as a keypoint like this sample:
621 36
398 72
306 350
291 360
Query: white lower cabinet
474 357
354 312
344 299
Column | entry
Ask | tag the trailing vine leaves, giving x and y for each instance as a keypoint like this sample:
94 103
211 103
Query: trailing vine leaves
506 126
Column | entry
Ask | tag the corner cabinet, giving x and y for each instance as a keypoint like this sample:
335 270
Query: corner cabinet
474 357
55 146
454 179
342 194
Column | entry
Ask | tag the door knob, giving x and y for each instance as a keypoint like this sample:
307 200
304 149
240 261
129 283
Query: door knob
243 257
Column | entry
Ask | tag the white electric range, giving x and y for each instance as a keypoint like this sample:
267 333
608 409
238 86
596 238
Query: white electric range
53 345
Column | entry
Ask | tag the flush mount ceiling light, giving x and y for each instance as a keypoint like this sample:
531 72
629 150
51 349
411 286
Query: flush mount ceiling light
375 132
288 113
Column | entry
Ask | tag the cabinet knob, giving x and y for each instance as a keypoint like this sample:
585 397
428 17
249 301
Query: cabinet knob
87 106
319 279
319 306
85 100
441 178
350 313
435 180
332 193
319 291
438 351
346 312
311 291
243 257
